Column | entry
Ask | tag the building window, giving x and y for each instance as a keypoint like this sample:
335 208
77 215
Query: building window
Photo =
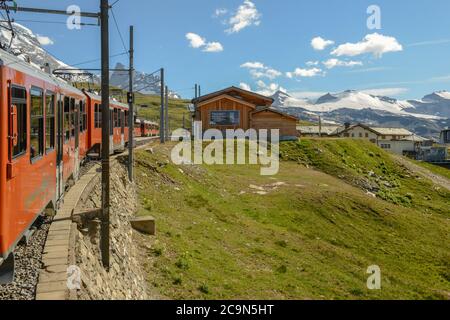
383 137
19 99
385 146
37 123
360 135
224 118
353 135
367 135
49 121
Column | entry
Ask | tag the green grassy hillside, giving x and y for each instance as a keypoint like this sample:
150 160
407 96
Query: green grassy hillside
310 232
177 108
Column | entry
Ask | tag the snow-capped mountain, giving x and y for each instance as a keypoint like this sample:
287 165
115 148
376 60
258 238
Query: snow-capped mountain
283 99
425 117
26 46
144 83
432 106
437 103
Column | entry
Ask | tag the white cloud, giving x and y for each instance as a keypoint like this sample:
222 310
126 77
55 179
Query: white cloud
246 15
386 91
372 69
213 47
45 41
429 43
319 44
245 86
266 73
332 63
220 12
376 44
196 41
304 73
259 70
253 65
312 63
268 89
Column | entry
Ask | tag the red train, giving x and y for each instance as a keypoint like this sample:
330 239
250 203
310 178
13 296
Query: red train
145 128
47 127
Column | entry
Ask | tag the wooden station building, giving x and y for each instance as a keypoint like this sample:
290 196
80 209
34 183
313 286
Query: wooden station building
235 108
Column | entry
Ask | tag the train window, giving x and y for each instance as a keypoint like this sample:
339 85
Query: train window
37 123
126 118
85 120
49 122
96 116
82 117
19 99
67 118
72 117
111 123
116 118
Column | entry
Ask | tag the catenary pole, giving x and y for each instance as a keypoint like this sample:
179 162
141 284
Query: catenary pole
105 232
166 105
162 135
131 108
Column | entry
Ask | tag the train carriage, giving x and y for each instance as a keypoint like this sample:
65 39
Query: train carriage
118 123
40 145
47 128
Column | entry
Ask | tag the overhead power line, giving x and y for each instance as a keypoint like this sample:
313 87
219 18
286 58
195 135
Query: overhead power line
114 3
118 30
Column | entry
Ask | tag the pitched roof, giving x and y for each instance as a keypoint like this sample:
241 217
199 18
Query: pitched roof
271 109
382 131
235 92
329 130
416 138
393 131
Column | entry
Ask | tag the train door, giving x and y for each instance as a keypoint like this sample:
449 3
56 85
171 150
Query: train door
111 131
122 128
60 150
76 137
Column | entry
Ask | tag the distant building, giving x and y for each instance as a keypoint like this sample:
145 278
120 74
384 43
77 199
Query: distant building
396 140
319 131
445 137
235 108
438 154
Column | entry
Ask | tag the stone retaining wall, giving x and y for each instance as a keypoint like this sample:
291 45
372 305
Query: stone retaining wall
125 280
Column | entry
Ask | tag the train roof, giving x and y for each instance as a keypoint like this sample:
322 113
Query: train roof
13 62
146 122
111 101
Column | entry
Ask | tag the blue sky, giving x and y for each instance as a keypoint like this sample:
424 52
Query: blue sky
267 44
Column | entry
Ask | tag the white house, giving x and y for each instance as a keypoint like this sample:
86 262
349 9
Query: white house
395 140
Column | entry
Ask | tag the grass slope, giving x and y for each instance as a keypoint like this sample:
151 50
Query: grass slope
225 232
434 168
177 108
